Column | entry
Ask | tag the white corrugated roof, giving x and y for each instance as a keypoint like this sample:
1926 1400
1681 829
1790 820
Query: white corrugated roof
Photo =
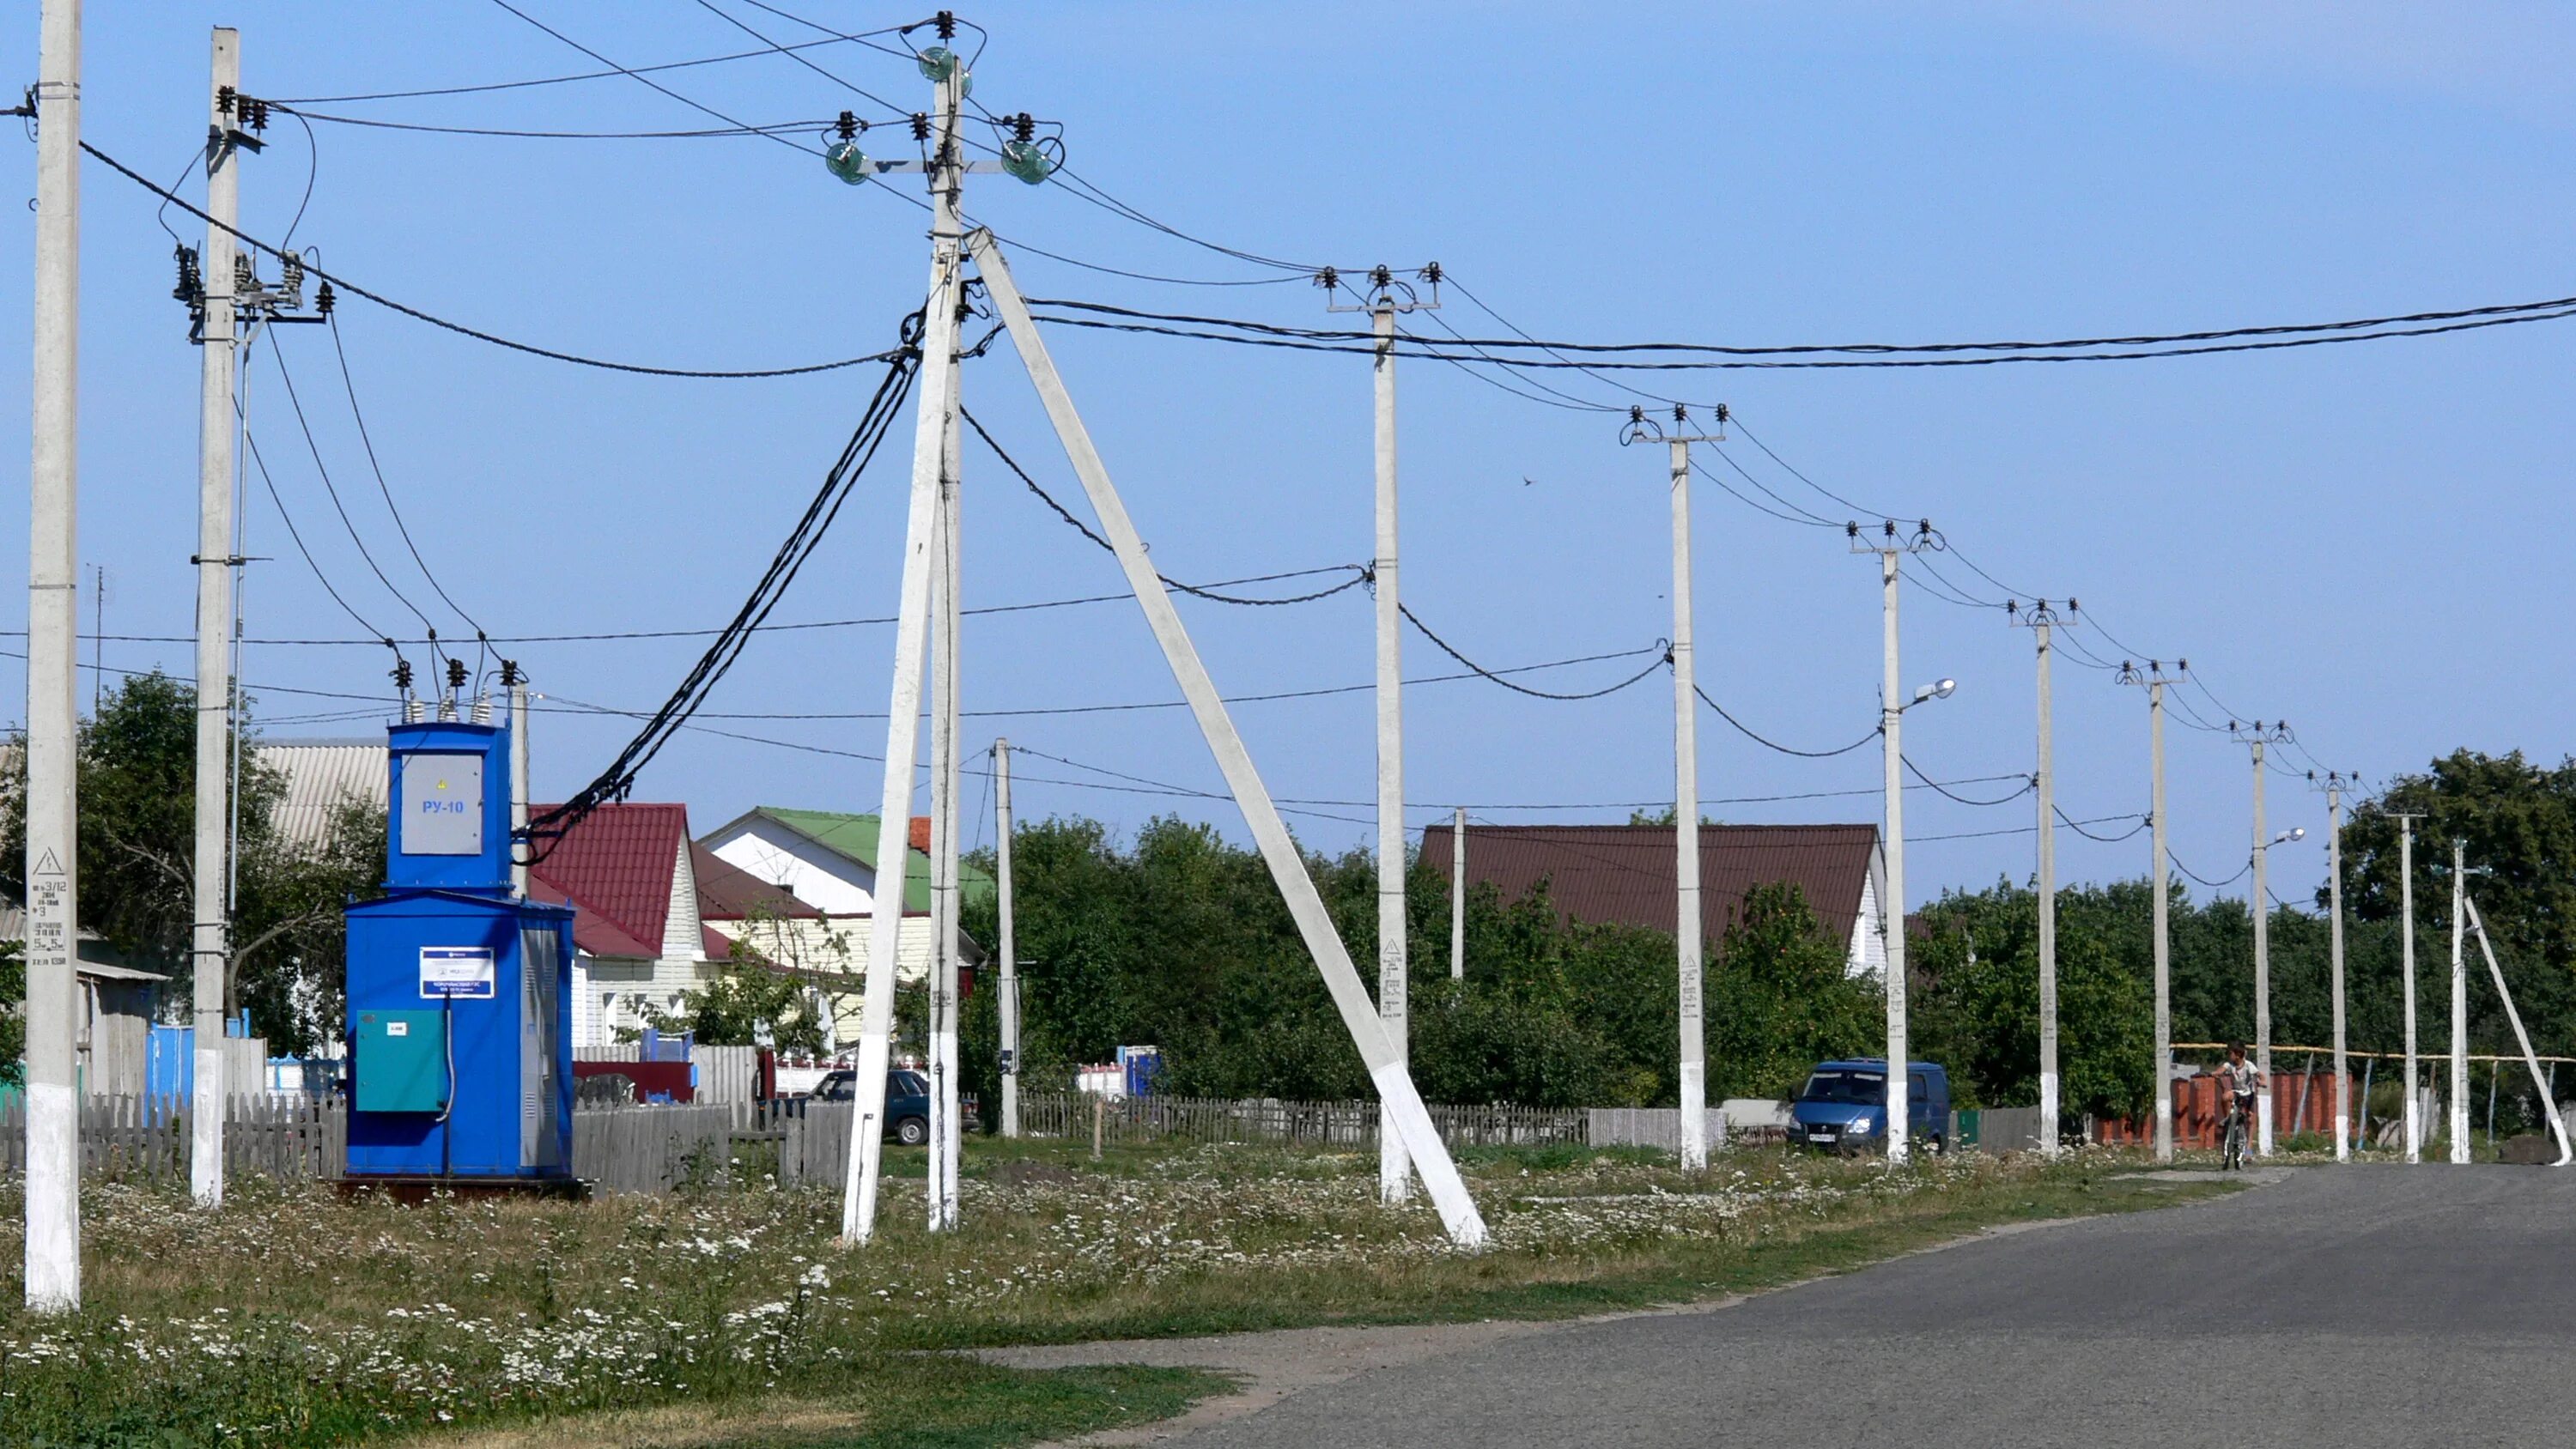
323 777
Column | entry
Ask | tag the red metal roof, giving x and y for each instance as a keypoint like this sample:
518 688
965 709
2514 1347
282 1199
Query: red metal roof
614 869
1624 873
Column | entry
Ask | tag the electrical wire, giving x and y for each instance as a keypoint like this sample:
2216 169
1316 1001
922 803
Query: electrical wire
2176 862
700 134
1747 731
1359 573
350 383
468 90
643 79
278 354
1496 676
306 553
2144 820
2029 783
344 284
613 782
1714 357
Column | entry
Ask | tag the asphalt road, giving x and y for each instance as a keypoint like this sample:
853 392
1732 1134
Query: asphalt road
2355 1307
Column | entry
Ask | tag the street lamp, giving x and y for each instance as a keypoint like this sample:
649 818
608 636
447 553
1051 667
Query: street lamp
1939 689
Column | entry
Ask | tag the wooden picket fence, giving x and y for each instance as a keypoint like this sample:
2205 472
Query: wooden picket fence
147 1137
1298 1124
653 1149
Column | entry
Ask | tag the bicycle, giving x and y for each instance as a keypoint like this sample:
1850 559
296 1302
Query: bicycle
2232 1150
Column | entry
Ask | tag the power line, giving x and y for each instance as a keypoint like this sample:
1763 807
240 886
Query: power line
614 782
1359 573
306 553
706 133
1748 732
278 353
172 198
643 79
2028 784
350 383
1664 653
645 634
467 90
1691 357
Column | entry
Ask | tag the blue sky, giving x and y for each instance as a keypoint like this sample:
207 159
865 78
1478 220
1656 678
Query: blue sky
2358 539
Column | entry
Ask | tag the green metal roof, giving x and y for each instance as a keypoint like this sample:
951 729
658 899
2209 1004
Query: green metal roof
855 836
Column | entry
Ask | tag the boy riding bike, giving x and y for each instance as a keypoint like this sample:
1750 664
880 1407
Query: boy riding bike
2240 1081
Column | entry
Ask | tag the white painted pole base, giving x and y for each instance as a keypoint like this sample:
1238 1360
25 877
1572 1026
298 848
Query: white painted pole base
2048 1145
2263 1122
53 1198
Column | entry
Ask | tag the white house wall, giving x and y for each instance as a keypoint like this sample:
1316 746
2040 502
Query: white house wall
1867 955
820 877
838 944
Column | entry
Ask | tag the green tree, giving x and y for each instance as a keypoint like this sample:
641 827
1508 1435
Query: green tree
13 1017
1780 998
137 774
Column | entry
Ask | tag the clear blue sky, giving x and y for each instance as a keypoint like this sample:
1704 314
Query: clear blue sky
2361 539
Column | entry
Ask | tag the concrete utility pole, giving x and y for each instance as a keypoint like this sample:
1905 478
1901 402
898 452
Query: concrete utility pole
2261 903
922 556
2155 680
53 623
2406 924
1394 1170
2334 902
520 851
1458 896
211 943
1400 1105
1009 1000
1688 950
2041 620
2459 1003
1891 549
946 792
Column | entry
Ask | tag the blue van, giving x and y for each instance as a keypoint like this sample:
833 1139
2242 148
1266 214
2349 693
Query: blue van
1843 1107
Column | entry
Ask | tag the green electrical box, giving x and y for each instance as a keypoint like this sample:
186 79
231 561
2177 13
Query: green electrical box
402 1061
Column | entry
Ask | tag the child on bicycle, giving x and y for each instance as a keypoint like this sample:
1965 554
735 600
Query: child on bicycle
2240 1081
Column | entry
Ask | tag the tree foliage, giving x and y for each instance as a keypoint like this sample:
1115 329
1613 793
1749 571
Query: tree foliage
1180 940
137 780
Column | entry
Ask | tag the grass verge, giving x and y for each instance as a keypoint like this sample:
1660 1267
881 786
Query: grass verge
291 1317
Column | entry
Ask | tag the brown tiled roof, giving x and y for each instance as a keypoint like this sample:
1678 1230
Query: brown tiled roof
614 868
727 892
1602 874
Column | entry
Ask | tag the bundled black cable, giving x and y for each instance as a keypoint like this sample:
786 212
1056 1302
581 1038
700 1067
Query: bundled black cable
615 781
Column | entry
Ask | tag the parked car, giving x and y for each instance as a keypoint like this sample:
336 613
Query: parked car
1843 1107
907 1105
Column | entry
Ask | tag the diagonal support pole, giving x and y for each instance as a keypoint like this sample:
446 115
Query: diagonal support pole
2557 1128
1400 1106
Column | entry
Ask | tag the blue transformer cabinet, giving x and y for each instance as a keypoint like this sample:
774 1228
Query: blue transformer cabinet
460 1037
